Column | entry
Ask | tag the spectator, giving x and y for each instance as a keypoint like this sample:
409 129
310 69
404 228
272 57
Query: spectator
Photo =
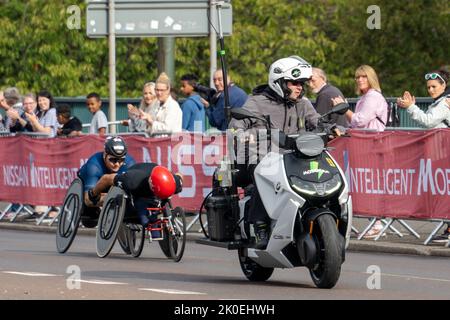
12 105
371 109
325 92
215 109
10 102
2 102
2 126
71 126
3 105
436 116
193 109
99 122
370 113
40 117
21 123
168 115
148 104
44 121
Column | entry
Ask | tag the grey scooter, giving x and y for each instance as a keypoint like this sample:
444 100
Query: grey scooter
305 194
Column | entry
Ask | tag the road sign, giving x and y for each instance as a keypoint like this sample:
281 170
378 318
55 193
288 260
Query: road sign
141 18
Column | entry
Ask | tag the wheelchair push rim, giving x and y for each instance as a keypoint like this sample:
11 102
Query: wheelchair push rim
69 218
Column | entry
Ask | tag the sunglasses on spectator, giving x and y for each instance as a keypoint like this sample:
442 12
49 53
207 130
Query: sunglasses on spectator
114 160
433 76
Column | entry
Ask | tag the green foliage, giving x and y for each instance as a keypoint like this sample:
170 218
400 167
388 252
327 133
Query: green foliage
38 50
413 39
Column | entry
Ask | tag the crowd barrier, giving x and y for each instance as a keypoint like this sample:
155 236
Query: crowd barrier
398 175
392 175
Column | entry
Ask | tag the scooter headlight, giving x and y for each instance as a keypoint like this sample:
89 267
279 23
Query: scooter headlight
317 189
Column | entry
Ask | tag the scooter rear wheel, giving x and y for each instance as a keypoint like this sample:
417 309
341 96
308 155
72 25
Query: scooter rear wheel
252 270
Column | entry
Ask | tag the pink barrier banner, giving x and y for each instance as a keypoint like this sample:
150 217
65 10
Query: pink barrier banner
39 171
400 174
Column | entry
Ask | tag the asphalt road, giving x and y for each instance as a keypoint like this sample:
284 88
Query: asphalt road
30 268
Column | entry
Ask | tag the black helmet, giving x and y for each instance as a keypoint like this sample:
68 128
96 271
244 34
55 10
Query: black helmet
115 146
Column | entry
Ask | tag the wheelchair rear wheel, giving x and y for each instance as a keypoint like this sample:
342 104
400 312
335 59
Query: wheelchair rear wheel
69 220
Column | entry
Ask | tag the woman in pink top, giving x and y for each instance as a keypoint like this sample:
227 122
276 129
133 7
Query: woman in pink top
371 110
370 113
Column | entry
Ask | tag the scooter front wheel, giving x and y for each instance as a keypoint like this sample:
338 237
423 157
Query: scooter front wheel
252 270
326 272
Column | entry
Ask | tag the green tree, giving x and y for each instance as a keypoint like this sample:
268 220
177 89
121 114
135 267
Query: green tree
412 40
38 50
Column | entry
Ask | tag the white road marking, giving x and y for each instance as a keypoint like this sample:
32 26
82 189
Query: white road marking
98 282
412 277
32 274
170 291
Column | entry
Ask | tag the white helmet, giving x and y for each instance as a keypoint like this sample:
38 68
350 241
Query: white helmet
293 68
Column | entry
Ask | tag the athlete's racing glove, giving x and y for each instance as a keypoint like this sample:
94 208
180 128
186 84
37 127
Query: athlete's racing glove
92 198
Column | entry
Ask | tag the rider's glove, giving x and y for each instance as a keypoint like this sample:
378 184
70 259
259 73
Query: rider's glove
92 198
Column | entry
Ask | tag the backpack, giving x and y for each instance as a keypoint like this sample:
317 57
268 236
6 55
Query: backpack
393 119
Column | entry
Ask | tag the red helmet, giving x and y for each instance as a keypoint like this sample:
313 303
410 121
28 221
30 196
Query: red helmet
162 182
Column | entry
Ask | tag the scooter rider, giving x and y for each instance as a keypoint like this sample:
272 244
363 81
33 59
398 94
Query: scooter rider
281 99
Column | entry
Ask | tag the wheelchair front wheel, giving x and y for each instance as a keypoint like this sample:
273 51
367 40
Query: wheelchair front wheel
122 238
177 233
136 239
110 220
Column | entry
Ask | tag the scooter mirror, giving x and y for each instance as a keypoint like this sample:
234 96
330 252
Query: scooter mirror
340 108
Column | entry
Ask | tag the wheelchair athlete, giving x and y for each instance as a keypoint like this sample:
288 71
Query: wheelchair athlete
97 175
146 184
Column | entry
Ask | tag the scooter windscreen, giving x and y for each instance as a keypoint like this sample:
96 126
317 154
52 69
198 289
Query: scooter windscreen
309 144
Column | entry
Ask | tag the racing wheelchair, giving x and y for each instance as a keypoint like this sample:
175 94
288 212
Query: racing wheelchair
114 223
74 211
